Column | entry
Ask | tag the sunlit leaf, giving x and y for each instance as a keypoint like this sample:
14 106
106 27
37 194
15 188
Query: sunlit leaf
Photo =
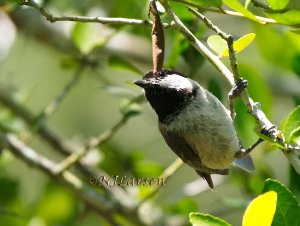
201 219
87 36
217 44
292 125
261 210
121 63
287 210
289 17
237 6
241 43
278 4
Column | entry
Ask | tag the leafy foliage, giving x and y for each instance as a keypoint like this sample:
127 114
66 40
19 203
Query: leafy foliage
199 219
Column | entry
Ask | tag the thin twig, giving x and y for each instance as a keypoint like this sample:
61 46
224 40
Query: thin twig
158 39
95 142
215 61
92 144
86 19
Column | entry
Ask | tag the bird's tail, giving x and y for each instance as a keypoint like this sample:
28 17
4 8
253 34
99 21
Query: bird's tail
207 177
245 163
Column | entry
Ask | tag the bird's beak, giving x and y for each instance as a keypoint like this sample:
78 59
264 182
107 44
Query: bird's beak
141 82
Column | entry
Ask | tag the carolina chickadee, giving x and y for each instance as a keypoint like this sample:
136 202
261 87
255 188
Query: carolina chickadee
194 123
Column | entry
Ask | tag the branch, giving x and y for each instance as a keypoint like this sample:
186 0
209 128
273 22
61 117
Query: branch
85 19
267 130
100 204
60 145
92 144
158 39
212 58
85 193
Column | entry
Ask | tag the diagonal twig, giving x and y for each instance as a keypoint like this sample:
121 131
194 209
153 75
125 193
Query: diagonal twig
95 142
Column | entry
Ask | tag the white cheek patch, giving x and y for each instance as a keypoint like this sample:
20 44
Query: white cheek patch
177 82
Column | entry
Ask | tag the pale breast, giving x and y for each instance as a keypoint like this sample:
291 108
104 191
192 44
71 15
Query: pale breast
208 129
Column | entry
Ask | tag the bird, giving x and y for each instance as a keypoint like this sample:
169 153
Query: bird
194 123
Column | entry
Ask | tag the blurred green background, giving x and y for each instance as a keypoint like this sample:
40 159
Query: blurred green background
38 58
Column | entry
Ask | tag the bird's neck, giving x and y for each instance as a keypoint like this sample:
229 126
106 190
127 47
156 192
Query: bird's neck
167 104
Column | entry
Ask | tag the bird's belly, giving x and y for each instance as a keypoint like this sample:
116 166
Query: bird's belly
214 139
215 152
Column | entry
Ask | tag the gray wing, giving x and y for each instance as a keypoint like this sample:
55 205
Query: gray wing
182 149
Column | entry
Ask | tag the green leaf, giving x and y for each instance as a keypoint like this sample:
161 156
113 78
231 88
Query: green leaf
292 125
241 43
121 63
278 4
87 36
237 6
289 17
201 219
217 44
287 209
261 210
